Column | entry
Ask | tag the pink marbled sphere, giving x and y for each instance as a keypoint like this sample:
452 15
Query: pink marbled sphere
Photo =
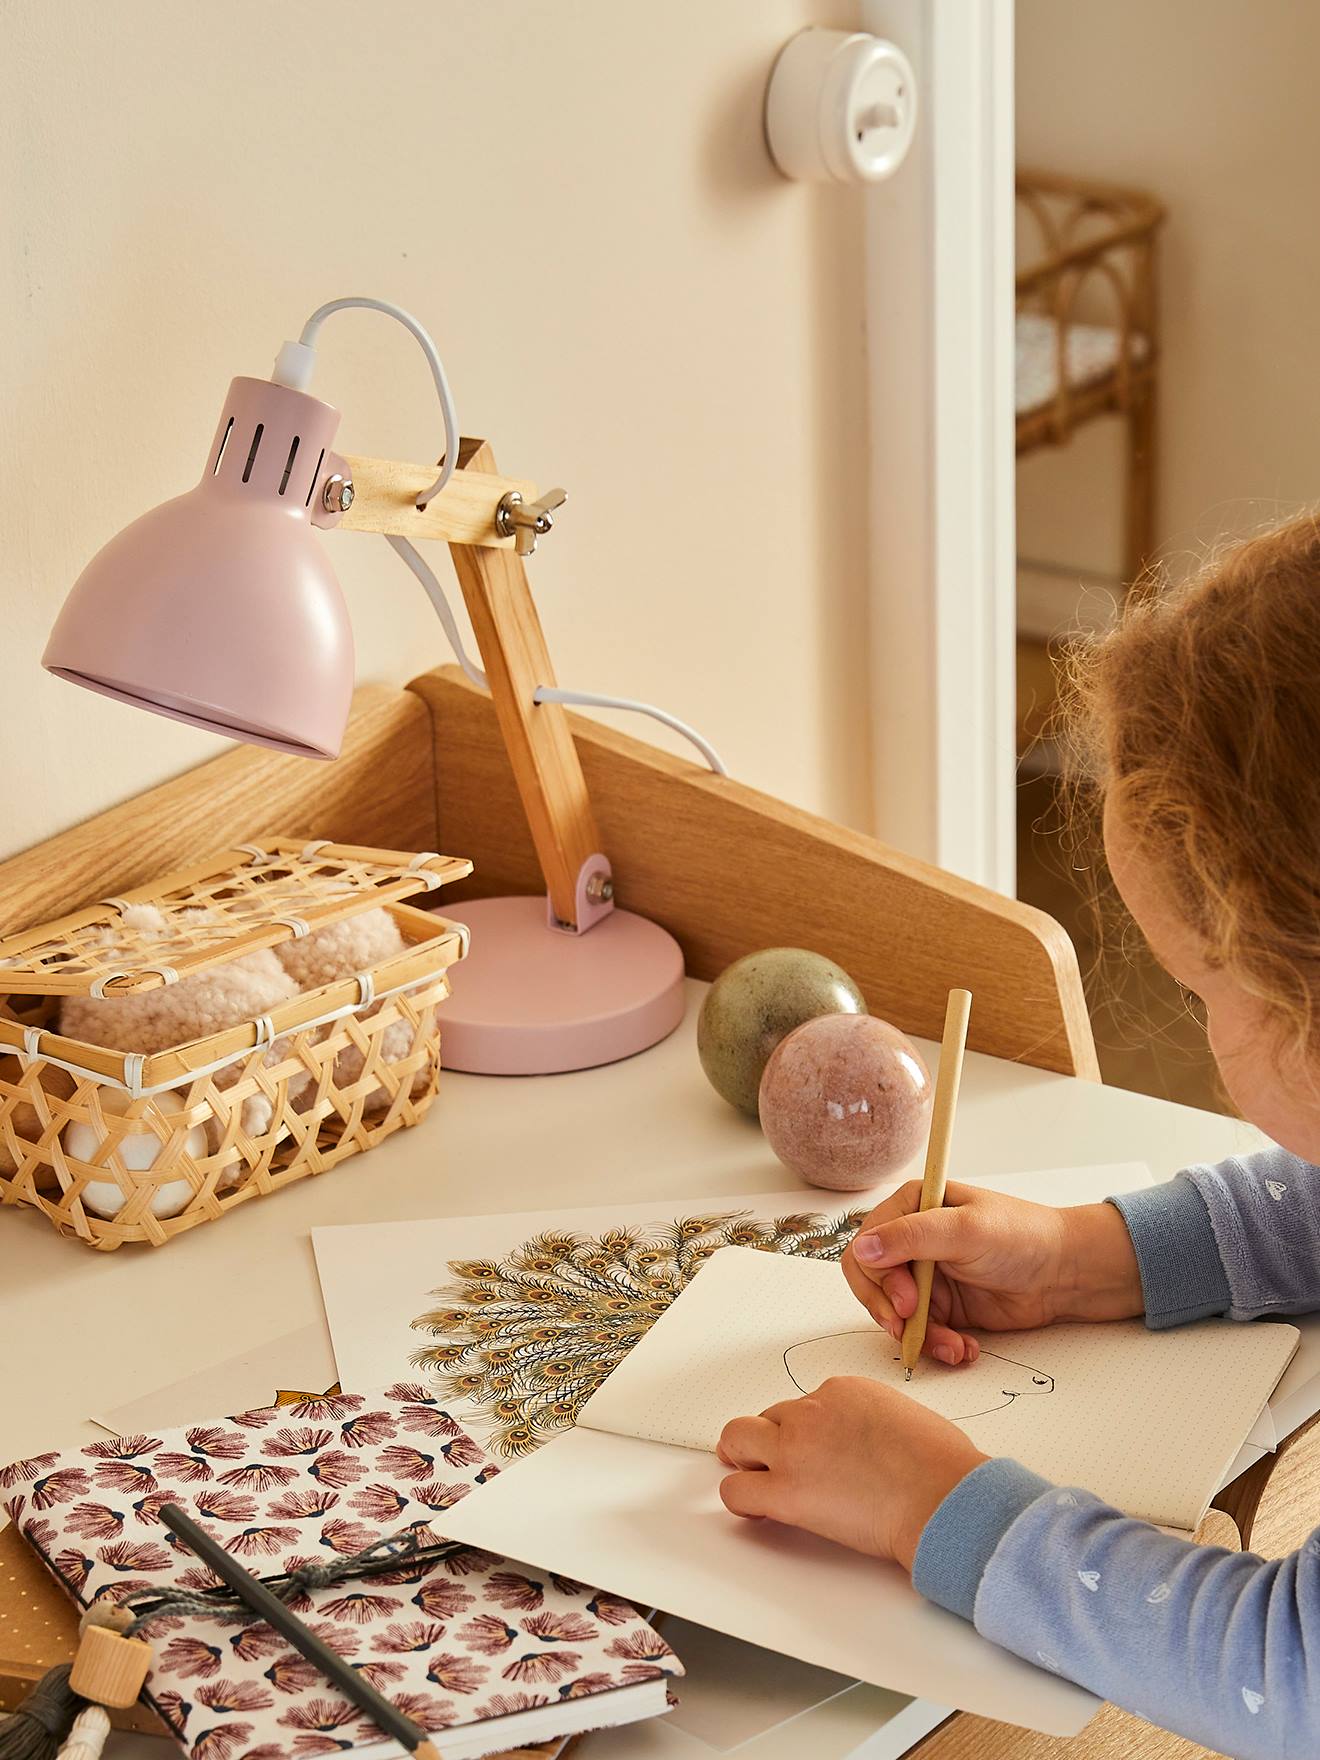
845 1100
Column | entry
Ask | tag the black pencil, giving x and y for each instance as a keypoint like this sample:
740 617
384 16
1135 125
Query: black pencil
269 1607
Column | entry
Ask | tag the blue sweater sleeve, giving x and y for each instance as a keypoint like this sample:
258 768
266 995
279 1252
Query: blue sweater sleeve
1240 1238
1223 1647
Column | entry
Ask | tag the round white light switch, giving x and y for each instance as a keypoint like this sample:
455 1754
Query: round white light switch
841 107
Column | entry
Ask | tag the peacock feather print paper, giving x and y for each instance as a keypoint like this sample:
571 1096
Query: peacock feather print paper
527 1336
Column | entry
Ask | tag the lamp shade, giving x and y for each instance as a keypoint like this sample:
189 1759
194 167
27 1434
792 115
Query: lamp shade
220 608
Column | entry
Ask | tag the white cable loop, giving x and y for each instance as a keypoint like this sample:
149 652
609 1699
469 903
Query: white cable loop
97 987
265 1028
298 926
366 989
309 850
31 1042
545 694
119 905
432 587
361 302
134 1064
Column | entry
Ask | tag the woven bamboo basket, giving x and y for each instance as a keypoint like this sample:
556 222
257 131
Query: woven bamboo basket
120 1145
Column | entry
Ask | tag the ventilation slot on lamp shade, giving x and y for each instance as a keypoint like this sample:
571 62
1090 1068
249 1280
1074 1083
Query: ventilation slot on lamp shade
315 475
229 428
252 456
288 465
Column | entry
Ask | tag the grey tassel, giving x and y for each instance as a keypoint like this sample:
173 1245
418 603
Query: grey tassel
38 1729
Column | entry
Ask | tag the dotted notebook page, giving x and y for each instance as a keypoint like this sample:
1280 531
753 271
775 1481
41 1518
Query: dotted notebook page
1149 1421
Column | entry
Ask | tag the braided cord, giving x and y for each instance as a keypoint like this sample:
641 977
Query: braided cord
386 1554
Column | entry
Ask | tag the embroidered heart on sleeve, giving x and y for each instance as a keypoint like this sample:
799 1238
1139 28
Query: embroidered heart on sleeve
1252 1701
1275 1188
1089 1580
1161 1592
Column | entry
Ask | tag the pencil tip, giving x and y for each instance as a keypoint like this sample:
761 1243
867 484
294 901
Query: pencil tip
907 1374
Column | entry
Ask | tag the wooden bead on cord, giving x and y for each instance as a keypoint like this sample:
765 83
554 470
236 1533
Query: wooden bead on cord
109 1669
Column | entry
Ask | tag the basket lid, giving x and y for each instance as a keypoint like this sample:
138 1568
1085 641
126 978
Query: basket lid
241 899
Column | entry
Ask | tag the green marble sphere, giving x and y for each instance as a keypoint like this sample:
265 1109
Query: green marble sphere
756 1002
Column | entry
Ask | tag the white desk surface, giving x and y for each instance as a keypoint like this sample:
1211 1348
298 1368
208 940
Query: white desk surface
86 1331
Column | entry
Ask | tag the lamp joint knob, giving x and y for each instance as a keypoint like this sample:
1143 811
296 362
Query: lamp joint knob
527 521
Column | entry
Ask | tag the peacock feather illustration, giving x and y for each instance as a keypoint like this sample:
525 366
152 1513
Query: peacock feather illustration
528 1338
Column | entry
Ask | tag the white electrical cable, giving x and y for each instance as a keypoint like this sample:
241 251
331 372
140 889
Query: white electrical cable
436 594
593 700
294 367
544 693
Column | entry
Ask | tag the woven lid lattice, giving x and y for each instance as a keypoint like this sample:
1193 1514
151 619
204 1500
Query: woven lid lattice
232 903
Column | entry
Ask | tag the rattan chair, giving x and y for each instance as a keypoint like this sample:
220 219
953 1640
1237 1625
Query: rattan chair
1087 346
1087 328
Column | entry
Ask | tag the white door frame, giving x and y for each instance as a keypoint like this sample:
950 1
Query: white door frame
939 280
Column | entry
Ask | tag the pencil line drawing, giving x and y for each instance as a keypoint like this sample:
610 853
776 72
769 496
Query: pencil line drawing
1017 1380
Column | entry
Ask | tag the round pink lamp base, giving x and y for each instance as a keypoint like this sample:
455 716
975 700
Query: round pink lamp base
530 1000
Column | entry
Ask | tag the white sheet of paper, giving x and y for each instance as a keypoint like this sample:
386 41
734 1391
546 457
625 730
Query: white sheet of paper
1146 1420
646 1521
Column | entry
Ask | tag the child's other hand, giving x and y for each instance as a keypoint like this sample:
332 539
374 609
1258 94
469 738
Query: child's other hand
854 1461
1001 1264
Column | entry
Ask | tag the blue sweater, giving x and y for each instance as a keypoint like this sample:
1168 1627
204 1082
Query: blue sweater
1223 1647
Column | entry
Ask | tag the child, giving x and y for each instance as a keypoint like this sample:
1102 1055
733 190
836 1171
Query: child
1202 715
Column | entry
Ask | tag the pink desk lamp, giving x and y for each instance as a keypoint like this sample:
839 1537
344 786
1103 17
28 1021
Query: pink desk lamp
220 609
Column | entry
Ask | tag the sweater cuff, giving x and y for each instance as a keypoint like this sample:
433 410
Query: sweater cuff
1182 1275
957 1542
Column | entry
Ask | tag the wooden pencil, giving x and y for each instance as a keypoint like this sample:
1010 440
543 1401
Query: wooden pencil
268 1606
947 1081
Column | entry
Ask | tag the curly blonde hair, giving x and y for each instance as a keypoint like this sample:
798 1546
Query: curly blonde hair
1198 717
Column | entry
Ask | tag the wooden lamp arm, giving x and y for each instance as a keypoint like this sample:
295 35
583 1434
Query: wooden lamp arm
512 644
385 500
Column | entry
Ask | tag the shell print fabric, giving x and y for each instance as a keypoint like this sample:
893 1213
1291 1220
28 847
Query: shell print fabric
454 1641
528 1338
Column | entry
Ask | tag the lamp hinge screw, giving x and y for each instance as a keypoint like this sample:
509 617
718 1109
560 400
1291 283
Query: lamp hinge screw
337 496
600 889
527 521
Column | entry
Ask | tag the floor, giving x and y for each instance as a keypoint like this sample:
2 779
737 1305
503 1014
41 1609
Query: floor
1147 1036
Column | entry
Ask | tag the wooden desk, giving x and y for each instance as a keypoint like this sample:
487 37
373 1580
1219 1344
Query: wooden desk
726 870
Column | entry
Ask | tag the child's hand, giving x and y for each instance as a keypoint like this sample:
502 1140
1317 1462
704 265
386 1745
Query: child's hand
1002 1264
855 1461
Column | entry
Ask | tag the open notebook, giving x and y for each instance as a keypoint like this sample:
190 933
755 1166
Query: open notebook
1149 1421
630 1496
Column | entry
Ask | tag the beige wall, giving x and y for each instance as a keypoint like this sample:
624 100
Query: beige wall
1211 104
576 198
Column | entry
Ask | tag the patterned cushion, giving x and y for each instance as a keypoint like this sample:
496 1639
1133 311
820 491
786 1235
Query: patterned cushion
1092 351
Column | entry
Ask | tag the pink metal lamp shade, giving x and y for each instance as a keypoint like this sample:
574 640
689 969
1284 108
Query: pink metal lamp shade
219 608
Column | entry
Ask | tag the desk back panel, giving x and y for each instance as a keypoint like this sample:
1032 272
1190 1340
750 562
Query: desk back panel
727 870
724 868
379 792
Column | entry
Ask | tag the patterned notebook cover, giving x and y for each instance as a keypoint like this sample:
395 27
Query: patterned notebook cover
462 1639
